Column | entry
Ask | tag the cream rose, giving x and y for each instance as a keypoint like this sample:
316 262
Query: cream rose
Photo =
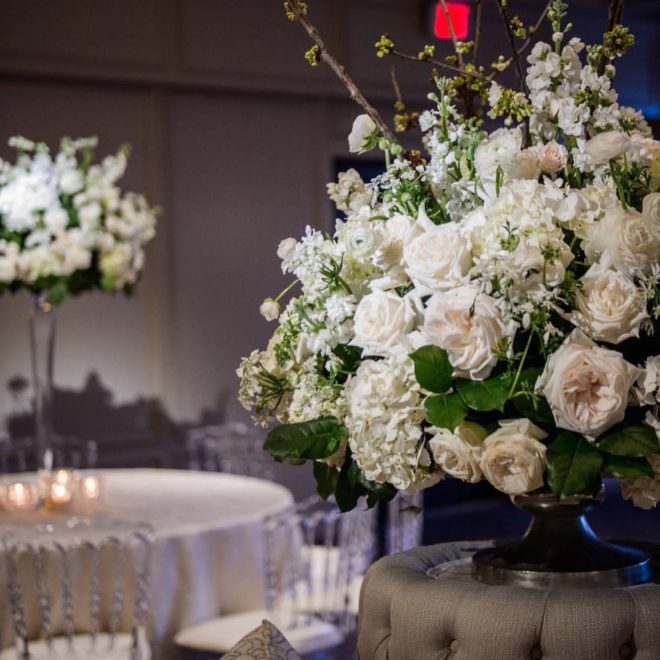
606 146
362 135
552 157
609 307
457 453
513 459
586 386
437 259
382 321
467 324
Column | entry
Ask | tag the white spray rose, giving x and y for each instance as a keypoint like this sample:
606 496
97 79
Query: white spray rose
382 321
458 452
609 306
362 134
438 258
512 457
586 385
606 146
285 251
552 157
468 325
270 309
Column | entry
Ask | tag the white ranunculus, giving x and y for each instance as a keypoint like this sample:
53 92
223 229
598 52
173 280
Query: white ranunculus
362 134
381 322
552 157
361 237
651 211
586 385
468 325
270 309
285 251
498 150
606 146
513 459
458 452
609 307
438 258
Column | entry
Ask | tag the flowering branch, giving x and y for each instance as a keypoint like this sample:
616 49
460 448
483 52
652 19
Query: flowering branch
297 10
438 63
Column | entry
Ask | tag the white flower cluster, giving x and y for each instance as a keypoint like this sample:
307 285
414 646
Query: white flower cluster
65 220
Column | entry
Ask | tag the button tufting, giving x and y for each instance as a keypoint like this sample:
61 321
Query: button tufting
454 646
627 650
536 653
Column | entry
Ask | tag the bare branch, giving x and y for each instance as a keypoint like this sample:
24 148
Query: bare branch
443 65
614 13
340 71
395 85
452 34
477 32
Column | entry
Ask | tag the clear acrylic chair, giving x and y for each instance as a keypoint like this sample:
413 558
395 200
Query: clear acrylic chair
314 559
21 454
234 447
73 587
405 521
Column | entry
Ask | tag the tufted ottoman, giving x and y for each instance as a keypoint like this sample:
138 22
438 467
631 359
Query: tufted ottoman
424 605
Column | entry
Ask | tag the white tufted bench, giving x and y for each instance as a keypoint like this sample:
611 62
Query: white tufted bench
424 605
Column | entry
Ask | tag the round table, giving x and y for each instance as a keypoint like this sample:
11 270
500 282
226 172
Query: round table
208 552
424 604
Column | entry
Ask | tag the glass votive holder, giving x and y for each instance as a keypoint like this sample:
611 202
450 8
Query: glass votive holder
19 496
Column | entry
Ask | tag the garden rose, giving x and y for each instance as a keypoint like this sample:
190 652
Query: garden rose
606 146
382 320
362 134
512 457
609 307
651 210
457 452
467 324
586 385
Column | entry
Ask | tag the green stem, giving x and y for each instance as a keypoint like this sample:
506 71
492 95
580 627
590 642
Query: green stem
520 366
285 291
387 159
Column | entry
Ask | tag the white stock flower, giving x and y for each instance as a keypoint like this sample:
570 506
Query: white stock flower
362 134
381 322
609 307
586 385
513 459
270 309
285 251
458 452
384 419
607 146
468 325
552 157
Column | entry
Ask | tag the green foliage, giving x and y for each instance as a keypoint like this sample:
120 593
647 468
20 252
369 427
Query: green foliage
295 443
631 441
574 465
528 402
622 467
447 411
326 479
485 395
432 369
352 485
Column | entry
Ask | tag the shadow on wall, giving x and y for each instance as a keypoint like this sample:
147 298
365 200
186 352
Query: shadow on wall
135 434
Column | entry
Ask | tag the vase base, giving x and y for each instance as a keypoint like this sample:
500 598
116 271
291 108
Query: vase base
615 566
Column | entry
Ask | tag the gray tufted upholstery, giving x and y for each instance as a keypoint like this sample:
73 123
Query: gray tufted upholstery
408 614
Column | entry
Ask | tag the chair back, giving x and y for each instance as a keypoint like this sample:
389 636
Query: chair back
78 578
21 454
234 447
405 521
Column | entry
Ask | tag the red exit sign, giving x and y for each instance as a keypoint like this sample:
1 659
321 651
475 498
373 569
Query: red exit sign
459 15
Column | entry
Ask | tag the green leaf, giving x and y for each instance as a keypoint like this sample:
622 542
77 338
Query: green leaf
631 441
57 292
376 491
484 395
447 411
573 465
432 369
623 467
349 488
326 479
293 443
534 408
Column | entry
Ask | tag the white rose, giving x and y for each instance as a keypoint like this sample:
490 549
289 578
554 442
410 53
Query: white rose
651 210
270 309
285 251
362 134
586 386
381 322
467 324
458 452
606 146
512 457
552 157
525 165
437 259
609 306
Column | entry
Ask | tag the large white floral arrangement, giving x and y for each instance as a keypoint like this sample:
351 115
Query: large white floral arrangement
486 308
65 225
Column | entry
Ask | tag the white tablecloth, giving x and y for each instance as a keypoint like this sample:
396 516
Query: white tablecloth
208 554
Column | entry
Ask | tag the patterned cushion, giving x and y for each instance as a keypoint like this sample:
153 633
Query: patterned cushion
264 643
